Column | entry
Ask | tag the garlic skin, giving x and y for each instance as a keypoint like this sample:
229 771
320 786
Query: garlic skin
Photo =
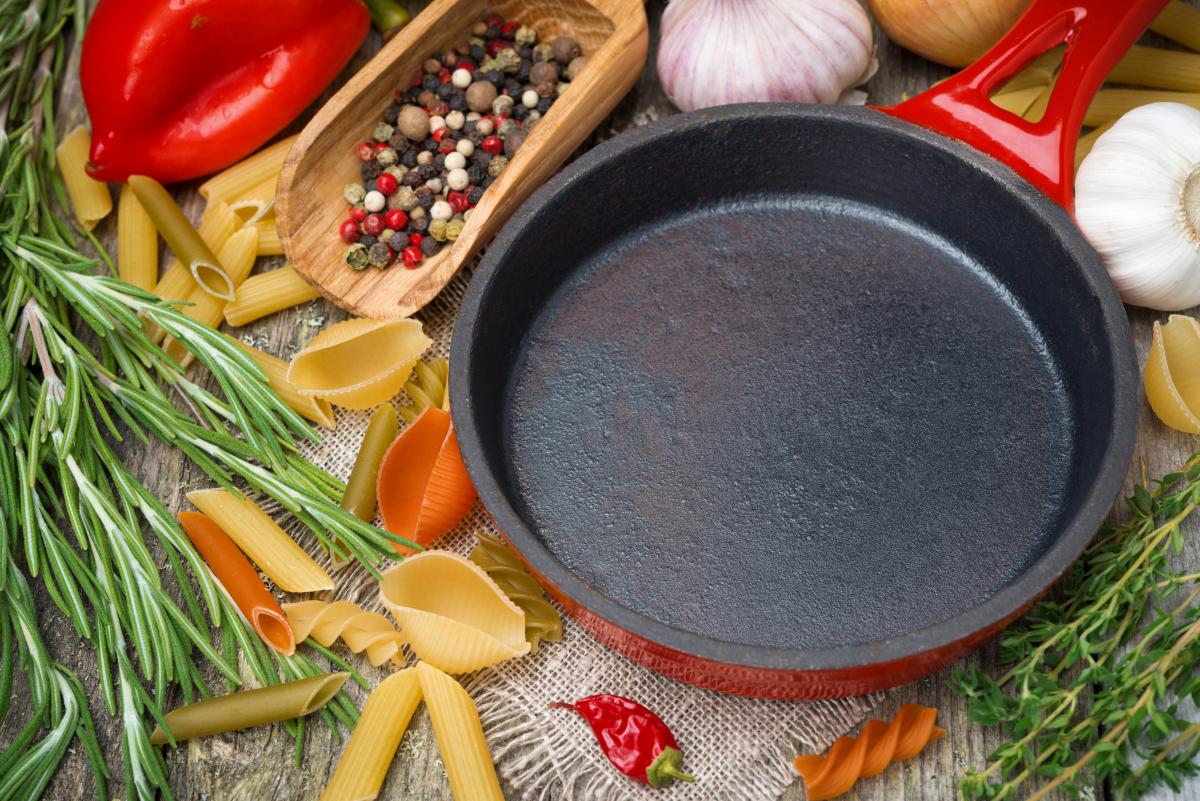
713 52
1138 202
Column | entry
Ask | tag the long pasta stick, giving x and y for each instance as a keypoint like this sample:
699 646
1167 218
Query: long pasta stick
90 199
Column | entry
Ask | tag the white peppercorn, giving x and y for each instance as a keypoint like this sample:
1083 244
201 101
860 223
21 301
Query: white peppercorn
455 120
434 184
456 160
461 78
354 193
424 157
441 210
374 201
530 98
503 105
465 148
486 127
437 121
457 179
387 156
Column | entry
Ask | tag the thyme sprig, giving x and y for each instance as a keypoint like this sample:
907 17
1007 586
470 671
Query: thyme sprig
1097 684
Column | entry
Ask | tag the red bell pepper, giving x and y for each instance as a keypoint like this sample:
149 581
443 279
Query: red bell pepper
181 88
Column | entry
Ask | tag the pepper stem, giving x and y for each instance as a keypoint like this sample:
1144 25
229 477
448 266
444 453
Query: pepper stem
388 16
667 768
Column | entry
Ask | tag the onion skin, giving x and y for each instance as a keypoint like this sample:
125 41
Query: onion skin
951 32
714 52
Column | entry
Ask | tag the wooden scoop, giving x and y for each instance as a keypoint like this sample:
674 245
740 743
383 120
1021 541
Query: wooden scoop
309 203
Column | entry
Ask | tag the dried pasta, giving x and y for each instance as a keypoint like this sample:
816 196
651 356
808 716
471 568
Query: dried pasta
451 614
315 409
426 387
267 293
542 621
359 363
239 580
460 739
385 717
242 710
359 497
269 243
359 629
268 546
423 487
182 237
879 745
137 242
248 172
90 199
256 202
237 258
1172 377
216 225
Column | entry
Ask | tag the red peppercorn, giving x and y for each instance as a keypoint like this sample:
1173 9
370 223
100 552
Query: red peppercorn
450 58
386 183
373 225
358 213
448 145
443 75
493 20
440 133
509 30
396 219
416 239
466 64
380 147
458 202
412 256
349 232
495 46
492 145
366 151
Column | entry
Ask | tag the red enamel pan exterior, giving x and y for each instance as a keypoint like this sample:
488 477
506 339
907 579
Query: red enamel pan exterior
577 433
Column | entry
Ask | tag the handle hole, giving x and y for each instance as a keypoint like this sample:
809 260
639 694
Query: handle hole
1027 94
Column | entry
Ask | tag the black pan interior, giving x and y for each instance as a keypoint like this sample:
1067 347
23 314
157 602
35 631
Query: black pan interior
802 380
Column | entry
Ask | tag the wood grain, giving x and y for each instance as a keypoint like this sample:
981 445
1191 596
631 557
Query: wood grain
256 765
613 35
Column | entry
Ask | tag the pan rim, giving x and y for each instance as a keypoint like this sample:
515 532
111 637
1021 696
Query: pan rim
1074 534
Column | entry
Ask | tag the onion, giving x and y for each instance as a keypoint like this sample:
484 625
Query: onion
951 32
714 52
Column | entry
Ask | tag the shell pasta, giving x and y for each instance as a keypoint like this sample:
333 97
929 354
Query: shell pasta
384 719
359 629
90 198
267 293
137 242
459 736
317 410
268 546
248 173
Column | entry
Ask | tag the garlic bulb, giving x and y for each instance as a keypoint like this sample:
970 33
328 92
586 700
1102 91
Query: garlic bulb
950 32
713 52
1137 200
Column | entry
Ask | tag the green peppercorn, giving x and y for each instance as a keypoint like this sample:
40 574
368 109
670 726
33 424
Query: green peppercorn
508 60
387 157
357 257
453 229
525 36
543 51
506 127
354 193
437 229
382 132
497 165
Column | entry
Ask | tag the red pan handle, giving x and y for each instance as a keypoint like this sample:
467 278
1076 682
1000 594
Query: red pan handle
1097 34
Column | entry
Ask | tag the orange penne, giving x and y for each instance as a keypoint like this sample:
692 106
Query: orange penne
423 486
240 580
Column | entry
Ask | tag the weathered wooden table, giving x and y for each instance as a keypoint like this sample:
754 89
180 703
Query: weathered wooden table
257 766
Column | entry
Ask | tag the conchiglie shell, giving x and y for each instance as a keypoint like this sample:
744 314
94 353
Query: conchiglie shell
423 486
451 614
1172 377
358 363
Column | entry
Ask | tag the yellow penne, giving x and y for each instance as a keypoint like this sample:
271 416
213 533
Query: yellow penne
268 293
359 629
385 717
216 225
237 258
1158 69
269 243
265 543
460 737
137 242
1109 104
90 198
1179 22
248 172
1018 101
316 409
256 202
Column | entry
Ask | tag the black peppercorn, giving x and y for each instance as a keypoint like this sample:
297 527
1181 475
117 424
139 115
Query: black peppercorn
475 193
439 162
478 54
424 197
391 113
429 246
476 137
431 145
370 170
410 96
399 142
476 173
367 241
459 102
469 126
513 87
488 181
427 171
482 158
495 76
446 91
412 179
409 157
478 75
491 33
525 53
379 255
544 104
519 111
420 225
524 71
431 83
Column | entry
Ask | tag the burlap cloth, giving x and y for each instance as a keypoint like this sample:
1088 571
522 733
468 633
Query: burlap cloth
740 749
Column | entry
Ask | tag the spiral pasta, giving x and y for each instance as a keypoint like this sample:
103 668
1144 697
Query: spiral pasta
359 629
425 387
542 621
879 745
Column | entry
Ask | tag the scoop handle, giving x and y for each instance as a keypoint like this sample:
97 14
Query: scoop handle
1097 33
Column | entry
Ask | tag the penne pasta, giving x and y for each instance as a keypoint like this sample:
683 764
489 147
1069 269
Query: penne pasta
1111 104
1179 22
248 172
268 546
359 363
452 614
240 580
216 225
267 293
359 497
90 199
182 237
256 202
359 629
269 243
137 242
460 739
242 710
385 717
237 258
316 409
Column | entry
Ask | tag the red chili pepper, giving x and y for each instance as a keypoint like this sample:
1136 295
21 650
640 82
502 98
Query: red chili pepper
180 89
633 738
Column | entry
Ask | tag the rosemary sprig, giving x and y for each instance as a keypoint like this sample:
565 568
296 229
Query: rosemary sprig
1097 683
